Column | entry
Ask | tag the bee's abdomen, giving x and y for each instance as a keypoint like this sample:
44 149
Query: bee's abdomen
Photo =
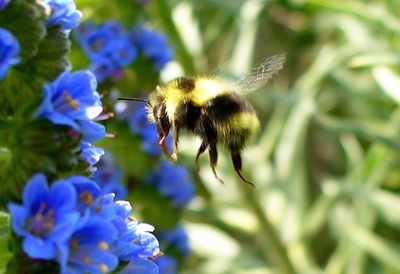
234 118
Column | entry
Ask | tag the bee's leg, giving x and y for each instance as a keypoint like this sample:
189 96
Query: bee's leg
162 134
213 153
163 145
237 164
175 129
202 148
163 126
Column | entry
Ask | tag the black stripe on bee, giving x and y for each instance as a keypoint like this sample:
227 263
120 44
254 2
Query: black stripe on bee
185 84
224 106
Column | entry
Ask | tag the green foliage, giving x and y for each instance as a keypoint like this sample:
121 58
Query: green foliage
5 253
326 163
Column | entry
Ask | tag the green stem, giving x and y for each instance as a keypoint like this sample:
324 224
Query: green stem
209 216
389 23
163 11
273 244
5 129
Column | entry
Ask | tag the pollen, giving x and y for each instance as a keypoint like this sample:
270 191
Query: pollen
86 260
104 268
74 243
86 197
103 246
71 101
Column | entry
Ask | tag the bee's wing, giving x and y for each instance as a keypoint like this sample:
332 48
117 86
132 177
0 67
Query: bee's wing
260 75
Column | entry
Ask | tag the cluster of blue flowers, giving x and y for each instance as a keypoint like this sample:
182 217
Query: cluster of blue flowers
153 44
72 100
110 47
71 222
174 182
78 222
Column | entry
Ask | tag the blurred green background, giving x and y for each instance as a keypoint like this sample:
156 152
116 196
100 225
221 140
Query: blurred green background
325 164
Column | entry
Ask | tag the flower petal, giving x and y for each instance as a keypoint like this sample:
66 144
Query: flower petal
39 249
140 266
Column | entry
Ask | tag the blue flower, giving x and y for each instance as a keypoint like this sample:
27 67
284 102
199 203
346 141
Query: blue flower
83 30
9 49
173 181
135 240
89 248
98 42
177 238
90 200
109 177
67 101
47 218
108 47
153 44
103 68
63 13
114 28
91 154
92 131
166 265
140 266
3 4
123 52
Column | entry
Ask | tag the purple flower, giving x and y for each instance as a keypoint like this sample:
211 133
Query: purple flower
47 218
9 49
173 181
63 13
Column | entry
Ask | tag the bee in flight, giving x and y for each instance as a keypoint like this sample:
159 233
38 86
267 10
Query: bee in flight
216 112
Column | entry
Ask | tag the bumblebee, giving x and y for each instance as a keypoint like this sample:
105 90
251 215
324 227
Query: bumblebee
216 112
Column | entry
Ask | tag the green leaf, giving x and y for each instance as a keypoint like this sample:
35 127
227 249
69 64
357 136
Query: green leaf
379 248
5 253
388 81
26 20
387 204
25 80
368 131
49 62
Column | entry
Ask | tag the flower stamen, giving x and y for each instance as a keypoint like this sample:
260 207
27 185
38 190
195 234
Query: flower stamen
104 268
71 101
86 197
103 246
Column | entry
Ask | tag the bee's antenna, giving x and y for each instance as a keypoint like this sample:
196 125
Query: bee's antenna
135 99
